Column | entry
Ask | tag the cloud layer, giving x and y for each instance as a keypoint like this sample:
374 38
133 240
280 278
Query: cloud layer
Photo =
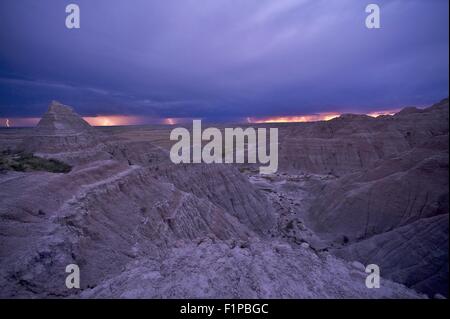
221 59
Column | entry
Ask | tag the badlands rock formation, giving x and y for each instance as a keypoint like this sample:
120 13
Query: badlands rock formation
360 189
356 142
390 204
61 130
128 202
254 269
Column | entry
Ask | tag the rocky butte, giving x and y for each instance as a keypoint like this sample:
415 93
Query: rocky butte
60 129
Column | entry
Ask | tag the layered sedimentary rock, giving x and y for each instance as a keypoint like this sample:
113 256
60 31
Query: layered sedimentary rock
107 215
415 254
393 181
61 120
59 130
372 190
397 192
220 184
125 203
355 142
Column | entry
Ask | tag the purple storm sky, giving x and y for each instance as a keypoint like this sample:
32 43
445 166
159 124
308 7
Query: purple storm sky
221 59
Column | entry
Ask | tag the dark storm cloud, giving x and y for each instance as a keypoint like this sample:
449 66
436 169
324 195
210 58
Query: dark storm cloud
221 58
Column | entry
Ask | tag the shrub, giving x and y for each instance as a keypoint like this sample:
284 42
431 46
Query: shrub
24 162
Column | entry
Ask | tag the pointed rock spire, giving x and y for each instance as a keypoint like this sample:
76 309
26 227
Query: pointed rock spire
61 130
60 120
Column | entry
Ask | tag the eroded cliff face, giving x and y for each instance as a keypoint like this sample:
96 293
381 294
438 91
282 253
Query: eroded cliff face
379 211
221 184
393 181
373 190
106 220
415 254
356 142
122 201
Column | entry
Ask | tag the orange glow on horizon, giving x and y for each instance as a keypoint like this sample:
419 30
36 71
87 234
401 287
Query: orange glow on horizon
169 121
113 120
311 118
118 120
295 119
380 113
123 120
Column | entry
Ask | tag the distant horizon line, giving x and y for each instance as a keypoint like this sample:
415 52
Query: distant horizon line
140 120
134 120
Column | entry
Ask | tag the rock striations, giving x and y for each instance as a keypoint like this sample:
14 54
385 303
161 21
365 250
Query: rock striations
350 189
61 120
59 130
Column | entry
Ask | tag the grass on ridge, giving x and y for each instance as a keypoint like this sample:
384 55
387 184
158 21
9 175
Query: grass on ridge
25 162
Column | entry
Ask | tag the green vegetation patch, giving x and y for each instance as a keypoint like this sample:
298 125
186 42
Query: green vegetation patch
25 162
